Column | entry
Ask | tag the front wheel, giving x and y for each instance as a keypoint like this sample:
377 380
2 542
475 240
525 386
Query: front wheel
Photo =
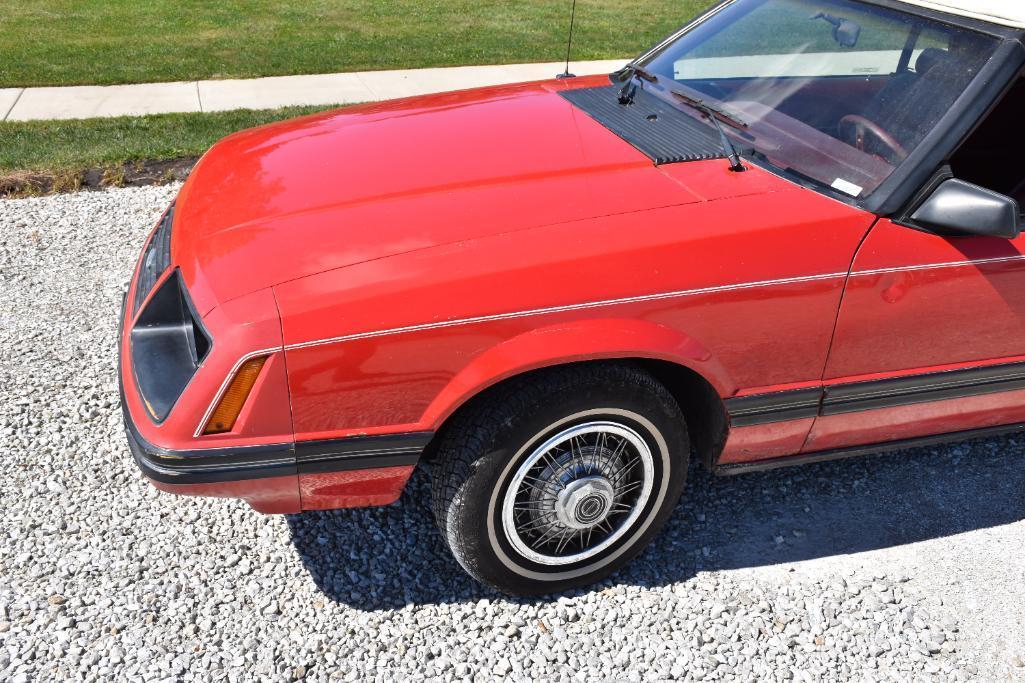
561 477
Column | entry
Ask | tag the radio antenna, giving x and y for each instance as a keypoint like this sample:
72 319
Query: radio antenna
569 42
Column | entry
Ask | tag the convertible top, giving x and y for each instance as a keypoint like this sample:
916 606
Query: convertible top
1004 12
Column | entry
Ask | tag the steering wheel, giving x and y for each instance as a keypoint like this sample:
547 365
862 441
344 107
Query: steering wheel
861 126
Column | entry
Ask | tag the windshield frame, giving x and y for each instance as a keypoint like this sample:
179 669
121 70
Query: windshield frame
909 176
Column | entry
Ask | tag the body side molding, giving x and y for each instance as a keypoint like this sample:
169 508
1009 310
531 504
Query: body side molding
851 397
779 406
933 386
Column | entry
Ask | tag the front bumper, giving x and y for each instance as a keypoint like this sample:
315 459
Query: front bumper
282 477
259 461
215 465
263 476
285 478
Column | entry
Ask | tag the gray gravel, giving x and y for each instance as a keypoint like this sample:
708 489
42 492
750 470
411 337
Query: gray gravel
899 567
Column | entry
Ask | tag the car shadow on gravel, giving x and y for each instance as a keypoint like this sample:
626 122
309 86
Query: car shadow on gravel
386 558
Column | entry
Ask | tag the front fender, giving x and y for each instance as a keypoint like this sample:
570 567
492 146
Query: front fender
585 340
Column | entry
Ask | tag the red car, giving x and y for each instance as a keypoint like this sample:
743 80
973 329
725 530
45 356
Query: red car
785 234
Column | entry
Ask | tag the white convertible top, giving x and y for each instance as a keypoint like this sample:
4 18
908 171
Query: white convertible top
1005 12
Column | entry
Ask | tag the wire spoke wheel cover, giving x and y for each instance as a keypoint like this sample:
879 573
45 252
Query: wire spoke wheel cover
562 477
578 493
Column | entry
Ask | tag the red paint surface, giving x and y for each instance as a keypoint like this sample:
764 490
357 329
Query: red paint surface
338 188
354 489
393 381
241 326
946 303
273 495
762 442
913 319
921 419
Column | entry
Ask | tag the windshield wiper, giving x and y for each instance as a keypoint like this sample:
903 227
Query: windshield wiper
711 110
715 114
629 89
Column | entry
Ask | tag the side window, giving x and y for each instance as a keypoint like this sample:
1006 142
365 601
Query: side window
755 49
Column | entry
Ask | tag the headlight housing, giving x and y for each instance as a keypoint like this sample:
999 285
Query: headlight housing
168 344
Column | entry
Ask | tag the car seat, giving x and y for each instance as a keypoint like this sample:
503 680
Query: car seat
909 97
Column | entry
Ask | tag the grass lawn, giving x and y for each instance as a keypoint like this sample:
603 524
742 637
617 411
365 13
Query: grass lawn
63 150
67 42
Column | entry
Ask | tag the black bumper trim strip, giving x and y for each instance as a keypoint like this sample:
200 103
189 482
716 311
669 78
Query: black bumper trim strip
363 462
216 465
364 452
208 466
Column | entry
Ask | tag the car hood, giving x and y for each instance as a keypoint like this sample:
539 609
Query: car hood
292 199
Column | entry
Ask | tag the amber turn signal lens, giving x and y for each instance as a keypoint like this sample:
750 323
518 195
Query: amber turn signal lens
228 408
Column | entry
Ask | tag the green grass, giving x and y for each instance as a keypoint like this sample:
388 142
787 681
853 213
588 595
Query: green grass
68 42
58 146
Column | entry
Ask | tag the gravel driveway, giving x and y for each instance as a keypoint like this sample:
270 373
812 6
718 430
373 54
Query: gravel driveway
900 567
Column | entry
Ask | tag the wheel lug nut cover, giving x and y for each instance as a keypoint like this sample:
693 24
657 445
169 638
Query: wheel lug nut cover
585 502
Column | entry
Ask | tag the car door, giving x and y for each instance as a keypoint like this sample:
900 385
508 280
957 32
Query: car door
930 339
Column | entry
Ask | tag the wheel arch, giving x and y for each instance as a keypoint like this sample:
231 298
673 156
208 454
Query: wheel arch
703 408
681 364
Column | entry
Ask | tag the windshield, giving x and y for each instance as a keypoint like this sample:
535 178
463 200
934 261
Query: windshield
833 92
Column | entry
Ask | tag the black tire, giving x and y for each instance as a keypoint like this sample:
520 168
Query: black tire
481 453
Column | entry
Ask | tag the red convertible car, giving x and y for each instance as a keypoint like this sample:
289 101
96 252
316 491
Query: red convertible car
787 233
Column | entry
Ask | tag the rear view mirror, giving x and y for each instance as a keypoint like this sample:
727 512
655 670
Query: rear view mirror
845 31
960 208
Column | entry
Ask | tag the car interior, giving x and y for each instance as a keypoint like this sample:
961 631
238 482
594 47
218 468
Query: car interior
992 156
877 82
905 101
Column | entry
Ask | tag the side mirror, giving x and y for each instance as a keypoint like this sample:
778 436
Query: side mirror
960 208
845 31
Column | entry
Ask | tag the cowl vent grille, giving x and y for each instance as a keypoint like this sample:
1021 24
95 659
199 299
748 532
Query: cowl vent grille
657 129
